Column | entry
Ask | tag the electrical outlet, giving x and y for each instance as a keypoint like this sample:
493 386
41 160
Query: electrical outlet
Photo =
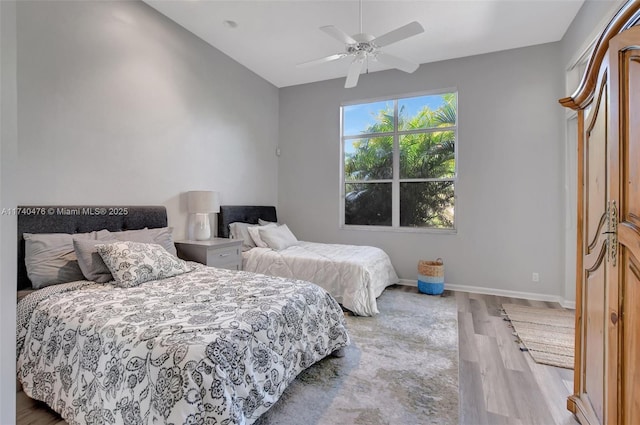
535 277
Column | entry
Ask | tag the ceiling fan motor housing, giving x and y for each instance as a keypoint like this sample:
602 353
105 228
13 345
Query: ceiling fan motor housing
364 45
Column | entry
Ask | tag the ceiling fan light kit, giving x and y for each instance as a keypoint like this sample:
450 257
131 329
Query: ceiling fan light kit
362 47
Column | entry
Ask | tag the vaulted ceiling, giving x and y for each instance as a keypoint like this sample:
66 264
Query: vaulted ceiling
271 36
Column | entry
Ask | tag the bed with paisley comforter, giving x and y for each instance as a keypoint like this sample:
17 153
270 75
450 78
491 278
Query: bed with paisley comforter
209 346
149 338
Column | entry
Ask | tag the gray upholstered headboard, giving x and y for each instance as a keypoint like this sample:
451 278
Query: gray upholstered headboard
244 214
81 219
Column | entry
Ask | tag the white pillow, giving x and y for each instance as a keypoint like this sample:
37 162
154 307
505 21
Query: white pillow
239 230
254 232
278 238
262 222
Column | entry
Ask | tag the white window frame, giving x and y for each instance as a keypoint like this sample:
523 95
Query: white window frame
396 180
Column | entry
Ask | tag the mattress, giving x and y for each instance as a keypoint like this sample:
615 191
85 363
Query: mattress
208 346
354 275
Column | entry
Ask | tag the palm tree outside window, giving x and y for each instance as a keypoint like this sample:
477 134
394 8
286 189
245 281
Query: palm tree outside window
399 162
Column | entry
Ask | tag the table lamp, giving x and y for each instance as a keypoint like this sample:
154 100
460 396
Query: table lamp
200 204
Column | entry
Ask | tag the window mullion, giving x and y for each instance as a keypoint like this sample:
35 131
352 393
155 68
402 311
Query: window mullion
395 189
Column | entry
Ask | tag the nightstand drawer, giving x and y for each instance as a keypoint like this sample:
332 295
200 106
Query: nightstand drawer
217 252
221 257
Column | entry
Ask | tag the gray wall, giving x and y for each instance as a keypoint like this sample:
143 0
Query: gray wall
8 254
8 149
509 207
119 105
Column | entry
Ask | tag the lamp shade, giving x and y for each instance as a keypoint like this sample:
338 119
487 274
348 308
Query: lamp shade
203 201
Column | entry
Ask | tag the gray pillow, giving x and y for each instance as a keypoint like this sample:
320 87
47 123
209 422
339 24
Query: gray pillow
50 258
161 236
90 262
239 230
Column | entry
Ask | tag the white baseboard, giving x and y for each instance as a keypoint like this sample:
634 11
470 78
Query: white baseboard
501 293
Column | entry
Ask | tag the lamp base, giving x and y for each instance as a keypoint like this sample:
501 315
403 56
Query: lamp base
201 227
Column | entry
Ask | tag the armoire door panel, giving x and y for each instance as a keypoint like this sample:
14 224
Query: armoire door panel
629 234
594 289
596 173
630 364
594 315
631 155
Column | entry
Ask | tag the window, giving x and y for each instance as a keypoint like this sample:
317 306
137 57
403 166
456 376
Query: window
399 165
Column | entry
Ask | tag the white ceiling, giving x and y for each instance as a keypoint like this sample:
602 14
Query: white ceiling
272 36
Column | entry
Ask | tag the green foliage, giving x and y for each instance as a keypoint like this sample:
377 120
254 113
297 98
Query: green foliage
427 153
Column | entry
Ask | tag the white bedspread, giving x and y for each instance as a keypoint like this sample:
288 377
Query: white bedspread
354 275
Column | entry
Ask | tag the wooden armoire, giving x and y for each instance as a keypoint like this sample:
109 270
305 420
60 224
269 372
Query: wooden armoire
607 356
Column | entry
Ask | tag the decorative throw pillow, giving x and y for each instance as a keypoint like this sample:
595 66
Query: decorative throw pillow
278 238
254 232
132 263
50 258
239 230
90 262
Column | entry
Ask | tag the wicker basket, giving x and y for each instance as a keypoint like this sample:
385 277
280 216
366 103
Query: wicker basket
431 268
431 277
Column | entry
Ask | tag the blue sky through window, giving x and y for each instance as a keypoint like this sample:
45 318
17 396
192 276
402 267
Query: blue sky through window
413 105
358 117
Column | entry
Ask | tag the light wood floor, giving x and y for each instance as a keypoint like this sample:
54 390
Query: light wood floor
499 384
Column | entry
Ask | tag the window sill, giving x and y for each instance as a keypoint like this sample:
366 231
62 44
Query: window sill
453 231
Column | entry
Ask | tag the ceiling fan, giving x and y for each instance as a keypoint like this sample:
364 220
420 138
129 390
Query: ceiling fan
365 46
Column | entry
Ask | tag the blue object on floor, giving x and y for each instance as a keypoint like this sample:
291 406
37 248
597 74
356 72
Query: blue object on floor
432 285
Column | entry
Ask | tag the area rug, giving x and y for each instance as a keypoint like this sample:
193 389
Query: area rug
401 368
547 333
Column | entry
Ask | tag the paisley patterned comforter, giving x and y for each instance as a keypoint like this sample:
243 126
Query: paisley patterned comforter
210 346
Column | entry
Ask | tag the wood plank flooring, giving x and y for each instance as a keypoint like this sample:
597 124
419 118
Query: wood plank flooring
499 384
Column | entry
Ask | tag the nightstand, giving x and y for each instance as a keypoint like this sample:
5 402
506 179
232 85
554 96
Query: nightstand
217 252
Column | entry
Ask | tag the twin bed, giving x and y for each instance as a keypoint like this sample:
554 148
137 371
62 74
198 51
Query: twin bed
354 275
202 346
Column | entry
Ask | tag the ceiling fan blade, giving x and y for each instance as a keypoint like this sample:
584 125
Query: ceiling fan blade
406 31
338 34
354 73
396 62
322 60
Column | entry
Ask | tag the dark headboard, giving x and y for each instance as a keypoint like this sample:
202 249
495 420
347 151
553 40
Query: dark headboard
82 219
244 214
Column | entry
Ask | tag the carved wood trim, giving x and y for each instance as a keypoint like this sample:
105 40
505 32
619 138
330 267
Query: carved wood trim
628 233
599 259
601 103
596 238
635 269
627 16
584 412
